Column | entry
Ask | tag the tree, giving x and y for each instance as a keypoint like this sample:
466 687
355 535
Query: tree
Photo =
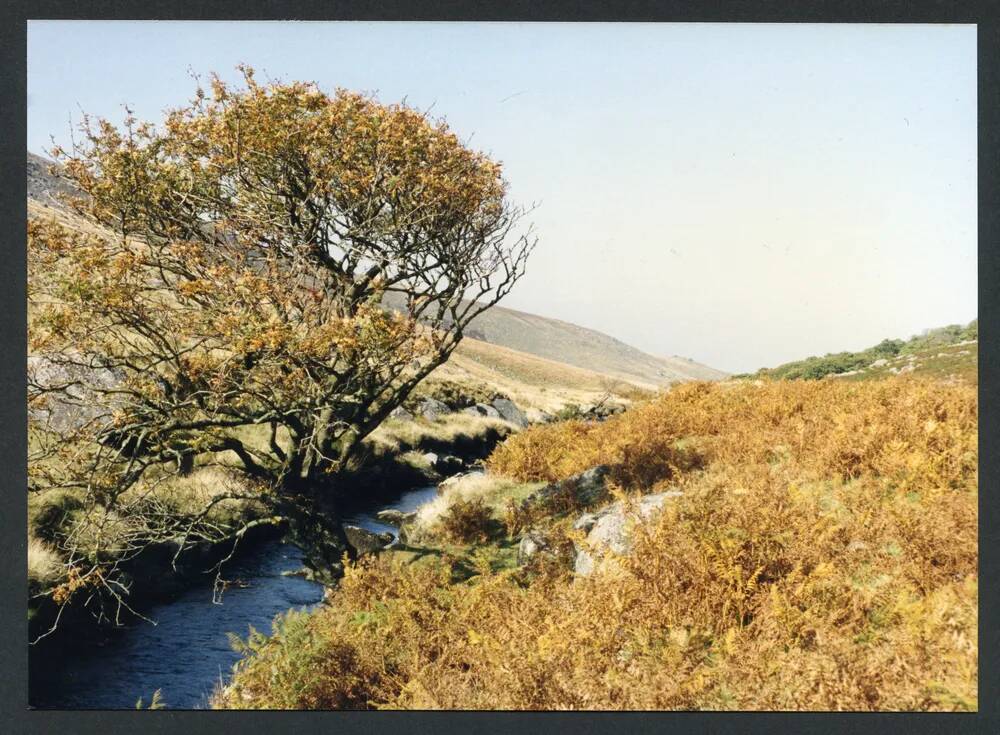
267 276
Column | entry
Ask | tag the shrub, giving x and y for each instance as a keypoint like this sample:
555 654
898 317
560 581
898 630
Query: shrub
468 521
304 671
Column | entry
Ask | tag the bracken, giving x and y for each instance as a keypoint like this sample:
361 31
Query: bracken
823 556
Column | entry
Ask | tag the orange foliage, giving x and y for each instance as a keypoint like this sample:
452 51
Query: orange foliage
823 558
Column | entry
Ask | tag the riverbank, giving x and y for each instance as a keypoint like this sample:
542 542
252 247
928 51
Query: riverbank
404 454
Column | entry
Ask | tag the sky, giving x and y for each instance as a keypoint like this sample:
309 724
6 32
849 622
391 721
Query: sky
740 194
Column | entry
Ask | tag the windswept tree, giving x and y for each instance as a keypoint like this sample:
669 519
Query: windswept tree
269 274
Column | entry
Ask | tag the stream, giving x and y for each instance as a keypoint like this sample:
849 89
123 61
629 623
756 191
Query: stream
187 653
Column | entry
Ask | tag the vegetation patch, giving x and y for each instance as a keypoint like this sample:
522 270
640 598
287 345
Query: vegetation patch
823 556
925 345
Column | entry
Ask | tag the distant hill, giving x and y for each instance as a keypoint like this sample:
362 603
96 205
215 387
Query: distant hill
594 354
585 348
945 352
43 186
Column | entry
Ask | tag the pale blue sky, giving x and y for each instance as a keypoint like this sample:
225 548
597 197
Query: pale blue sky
739 194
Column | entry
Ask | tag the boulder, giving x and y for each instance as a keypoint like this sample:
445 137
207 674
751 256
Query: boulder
430 458
432 408
510 412
609 529
531 543
882 362
364 541
536 416
80 391
588 486
401 414
585 488
448 465
394 517
482 409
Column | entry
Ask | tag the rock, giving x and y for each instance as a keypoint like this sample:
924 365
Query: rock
588 487
432 408
879 363
401 414
448 465
531 543
85 397
482 409
586 522
445 484
395 517
404 533
585 488
609 530
535 546
536 416
364 541
430 458
510 412
908 368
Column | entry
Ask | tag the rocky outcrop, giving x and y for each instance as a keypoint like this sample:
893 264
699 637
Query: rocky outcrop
363 541
609 529
432 408
401 414
531 544
80 391
537 416
585 488
482 409
510 412
396 518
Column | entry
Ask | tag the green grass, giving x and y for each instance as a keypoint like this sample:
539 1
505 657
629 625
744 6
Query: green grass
924 346
952 362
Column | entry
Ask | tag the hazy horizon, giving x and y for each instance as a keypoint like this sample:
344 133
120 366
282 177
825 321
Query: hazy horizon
742 195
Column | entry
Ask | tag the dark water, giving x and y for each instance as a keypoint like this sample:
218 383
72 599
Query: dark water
187 652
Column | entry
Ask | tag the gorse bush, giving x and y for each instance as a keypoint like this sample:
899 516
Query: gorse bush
822 556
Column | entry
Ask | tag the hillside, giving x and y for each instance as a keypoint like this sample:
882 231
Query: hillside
547 362
557 340
949 353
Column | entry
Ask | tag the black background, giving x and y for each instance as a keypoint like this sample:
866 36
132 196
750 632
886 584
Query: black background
14 715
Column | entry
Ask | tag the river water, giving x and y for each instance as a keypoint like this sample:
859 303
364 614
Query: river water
187 653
